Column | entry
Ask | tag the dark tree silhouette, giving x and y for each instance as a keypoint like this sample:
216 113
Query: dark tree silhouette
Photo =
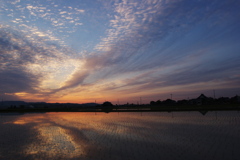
107 107
168 102
152 103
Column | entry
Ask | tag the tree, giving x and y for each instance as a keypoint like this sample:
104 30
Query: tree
152 103
107 107
168 102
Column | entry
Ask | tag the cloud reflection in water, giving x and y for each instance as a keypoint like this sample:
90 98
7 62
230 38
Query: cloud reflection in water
181 135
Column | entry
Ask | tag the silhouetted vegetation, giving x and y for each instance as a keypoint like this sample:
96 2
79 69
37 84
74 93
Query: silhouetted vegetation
107 107
201 103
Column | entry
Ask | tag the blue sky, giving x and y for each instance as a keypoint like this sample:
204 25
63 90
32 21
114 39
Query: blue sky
82 51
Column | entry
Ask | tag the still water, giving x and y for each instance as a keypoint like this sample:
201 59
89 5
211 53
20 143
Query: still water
120 136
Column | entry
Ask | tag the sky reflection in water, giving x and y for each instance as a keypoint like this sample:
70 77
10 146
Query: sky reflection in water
122 135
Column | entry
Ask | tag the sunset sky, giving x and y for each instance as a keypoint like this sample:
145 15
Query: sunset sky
81 51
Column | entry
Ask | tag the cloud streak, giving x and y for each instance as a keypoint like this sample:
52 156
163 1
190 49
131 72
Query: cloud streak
147 46
26 64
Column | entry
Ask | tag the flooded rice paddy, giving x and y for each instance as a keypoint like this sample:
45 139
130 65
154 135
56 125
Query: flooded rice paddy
120 136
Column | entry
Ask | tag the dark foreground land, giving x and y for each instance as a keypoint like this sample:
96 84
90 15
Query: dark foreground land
131 108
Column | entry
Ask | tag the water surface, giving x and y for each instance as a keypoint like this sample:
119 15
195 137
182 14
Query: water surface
93 136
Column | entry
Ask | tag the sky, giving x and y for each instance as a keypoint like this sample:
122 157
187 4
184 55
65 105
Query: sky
135 51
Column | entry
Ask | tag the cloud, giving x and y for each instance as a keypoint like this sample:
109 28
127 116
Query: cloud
75 80
138 26
27 63
13 58
42 13
147 45
221 74
79 10
63 12
15 2
15 80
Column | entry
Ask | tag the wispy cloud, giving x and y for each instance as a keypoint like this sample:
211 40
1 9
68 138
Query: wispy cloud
148 45
52 15
129 39
26 64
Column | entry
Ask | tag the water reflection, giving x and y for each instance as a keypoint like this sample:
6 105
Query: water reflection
121 135
51 139
54 143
